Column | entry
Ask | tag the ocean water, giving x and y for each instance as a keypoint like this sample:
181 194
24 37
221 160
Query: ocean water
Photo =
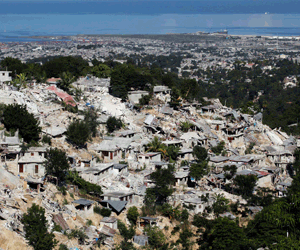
269 17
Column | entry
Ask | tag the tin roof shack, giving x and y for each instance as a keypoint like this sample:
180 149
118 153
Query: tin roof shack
191 139
218 162
249 160
209 110
181 178
130 197
146 158
61 95
126 133
111 222
55 131
115 205
185 154
161 89
113 149
120 169
83 207
32 163
96 173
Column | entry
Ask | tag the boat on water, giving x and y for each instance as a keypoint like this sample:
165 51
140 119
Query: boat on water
221 32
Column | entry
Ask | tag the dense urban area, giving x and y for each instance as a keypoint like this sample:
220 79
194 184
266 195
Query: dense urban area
177 141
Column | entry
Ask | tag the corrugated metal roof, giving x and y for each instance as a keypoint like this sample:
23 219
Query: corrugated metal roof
59 220
83 202
116 205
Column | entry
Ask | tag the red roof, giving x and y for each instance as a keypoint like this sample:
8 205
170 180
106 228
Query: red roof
63 95
263 173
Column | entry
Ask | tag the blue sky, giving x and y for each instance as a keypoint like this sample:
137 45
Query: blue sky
149 7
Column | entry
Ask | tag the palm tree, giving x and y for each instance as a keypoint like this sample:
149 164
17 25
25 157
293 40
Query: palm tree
66 79
156 146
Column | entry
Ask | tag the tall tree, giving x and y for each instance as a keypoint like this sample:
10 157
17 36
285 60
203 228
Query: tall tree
164 180
90 118
57 163
220 234
245 184
35 227
16 117
78 133
200 153
66 80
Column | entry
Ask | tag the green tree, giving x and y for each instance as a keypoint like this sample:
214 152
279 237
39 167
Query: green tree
78 133
20 81
200 153
272 223
101 71
132 215
56 66
171 153
164 180
185 126
90 118
105 212
230 171
83 185
220 234
57 163
184 238
35 227
13 64
79 234
145 100
244 184
156 237
219 148
184 215
66 80
113 124
220 205
198 170
127 234
16 117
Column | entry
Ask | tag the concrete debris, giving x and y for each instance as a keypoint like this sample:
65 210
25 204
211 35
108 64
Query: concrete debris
122 162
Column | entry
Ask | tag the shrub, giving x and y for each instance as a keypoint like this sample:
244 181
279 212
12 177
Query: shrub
113 124
132 215
105 212
78 133
46 139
